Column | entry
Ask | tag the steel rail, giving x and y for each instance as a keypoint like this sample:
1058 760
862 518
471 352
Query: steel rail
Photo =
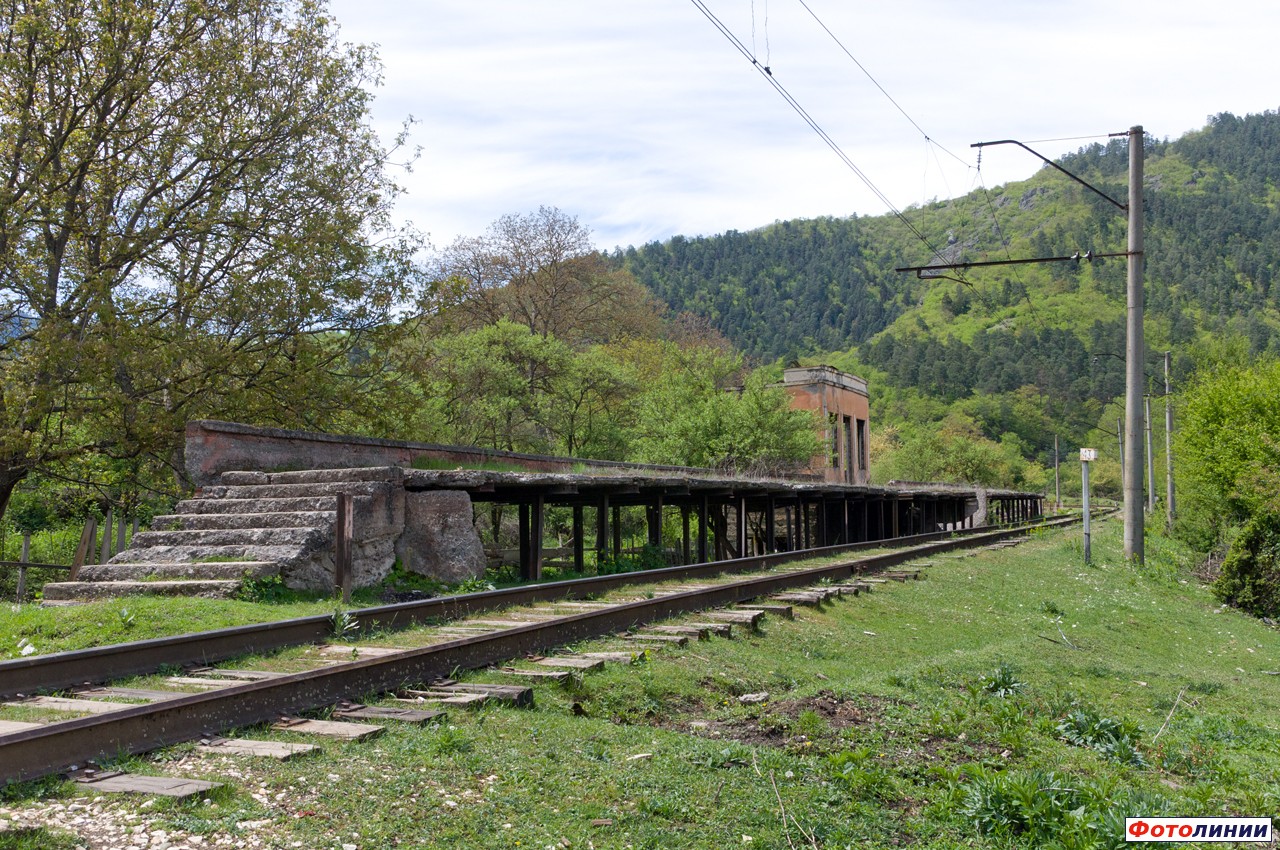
47 750
80 667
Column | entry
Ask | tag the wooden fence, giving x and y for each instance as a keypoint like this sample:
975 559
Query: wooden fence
87 538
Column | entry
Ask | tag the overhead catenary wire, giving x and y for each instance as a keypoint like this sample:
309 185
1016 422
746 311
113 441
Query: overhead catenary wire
1004 240
882 89
767 73
1070 138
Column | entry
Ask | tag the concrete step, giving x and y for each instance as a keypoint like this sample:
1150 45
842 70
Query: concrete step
188 571
287 491
304 504
348 475
89 590
308 536
210 554
224 521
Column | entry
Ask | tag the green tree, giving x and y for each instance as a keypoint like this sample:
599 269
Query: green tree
1250 577
1228 447
193 221
692 414
589 403
540 270
494 384
956 451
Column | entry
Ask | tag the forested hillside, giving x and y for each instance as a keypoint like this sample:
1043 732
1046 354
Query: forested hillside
797 286
804 287
1014 354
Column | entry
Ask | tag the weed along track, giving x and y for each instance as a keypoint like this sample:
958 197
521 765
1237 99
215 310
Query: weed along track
509 630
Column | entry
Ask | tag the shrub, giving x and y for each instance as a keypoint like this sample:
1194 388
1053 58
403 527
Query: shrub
863 775
1043 809
1115 739
649 558
1250 577
269 588
1003 682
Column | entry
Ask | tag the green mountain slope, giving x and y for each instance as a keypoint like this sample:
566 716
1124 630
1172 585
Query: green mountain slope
827 289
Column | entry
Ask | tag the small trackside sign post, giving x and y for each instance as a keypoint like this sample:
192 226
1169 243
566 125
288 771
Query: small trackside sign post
1086 455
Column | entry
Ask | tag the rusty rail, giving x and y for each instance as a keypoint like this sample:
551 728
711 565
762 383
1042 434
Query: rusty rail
33 753
99 664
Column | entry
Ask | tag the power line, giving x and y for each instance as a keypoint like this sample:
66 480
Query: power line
876 83
1004 240
767 72
1070 139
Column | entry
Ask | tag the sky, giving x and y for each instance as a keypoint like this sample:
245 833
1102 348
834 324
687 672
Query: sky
641 119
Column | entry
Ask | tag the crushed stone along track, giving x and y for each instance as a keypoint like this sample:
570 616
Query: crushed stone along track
467 635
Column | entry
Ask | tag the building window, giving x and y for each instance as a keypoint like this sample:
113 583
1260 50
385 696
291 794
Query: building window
835 440
847 439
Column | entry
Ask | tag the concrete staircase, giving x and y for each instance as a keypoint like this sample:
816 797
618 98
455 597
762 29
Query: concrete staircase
254 525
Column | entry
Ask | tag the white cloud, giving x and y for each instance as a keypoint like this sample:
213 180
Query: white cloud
641 119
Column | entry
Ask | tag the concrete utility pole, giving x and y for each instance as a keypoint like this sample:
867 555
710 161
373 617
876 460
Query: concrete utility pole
1086 455
1134 349
1169 512
1120 443
1057 482
1131 435
1151 466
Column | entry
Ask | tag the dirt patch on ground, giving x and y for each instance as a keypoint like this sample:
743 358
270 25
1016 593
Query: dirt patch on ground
796 722
838 712
822 723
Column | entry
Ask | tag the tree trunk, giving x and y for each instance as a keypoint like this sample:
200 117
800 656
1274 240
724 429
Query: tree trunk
9 479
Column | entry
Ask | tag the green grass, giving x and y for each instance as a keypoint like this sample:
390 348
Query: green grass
996 704
445 464
135 618
38 839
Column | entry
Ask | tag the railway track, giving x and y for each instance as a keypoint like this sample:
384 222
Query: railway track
560 615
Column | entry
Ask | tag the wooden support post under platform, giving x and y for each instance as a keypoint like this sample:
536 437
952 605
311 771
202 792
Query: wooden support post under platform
653 515
617 532
704 523
770 525
740 529
579 562
821 533
602 530
720 516
342 550
685 537
531 530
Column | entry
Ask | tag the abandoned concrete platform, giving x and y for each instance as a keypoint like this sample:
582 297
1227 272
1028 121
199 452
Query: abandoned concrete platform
249 523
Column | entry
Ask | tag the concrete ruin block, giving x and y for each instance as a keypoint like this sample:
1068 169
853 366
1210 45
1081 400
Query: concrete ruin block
439 540
980 513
